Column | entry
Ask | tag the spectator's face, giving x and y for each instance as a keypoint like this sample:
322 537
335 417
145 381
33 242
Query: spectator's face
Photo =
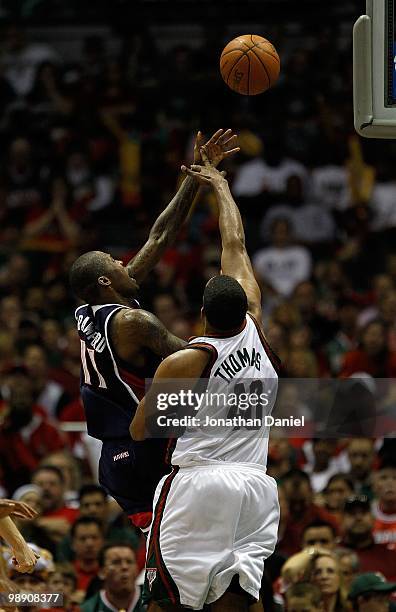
87 542
373 602
10 312
388 307
31 583
35 299
300 338
50 333
36 362
382 284
52 489
59 583
325 575
360 453
299 495
280 233
323 450
336 493
20 393
358 522
374 339
347 316
20 152
319 536
385 485
66 465
348 570
94 504
301 604
165 309
305 297
119 571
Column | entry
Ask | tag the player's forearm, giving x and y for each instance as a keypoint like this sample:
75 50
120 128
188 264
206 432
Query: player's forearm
9 532
168 224
164 231
230 221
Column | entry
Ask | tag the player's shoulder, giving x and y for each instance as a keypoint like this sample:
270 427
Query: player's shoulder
186 363
128 318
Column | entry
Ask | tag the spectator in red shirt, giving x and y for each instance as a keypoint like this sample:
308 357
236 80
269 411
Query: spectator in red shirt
384 507
57 517
357 527
26 434
302 510
373 356
87 541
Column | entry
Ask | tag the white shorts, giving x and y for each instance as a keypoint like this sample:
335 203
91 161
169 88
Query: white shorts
210 523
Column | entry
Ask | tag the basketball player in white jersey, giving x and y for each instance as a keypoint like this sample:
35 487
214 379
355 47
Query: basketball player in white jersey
216 515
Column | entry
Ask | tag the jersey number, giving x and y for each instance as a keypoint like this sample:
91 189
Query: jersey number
88 354
255 387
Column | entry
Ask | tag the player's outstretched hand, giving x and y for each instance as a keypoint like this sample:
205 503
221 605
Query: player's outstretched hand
218 147
206 174
9 507
24 559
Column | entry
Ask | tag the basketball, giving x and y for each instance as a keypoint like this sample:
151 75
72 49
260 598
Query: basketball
249 64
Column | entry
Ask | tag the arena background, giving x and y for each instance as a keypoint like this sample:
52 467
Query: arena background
99 105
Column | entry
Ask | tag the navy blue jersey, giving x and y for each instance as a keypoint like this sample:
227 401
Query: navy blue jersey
110 388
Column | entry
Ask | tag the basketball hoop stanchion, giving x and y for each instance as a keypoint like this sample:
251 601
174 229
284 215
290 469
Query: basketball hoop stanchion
374 76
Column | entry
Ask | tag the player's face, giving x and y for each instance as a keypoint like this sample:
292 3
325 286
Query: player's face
120 279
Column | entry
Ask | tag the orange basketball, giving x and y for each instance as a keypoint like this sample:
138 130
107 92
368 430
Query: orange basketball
249 64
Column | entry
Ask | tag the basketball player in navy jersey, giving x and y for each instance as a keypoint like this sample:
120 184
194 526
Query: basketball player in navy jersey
216 515
121 346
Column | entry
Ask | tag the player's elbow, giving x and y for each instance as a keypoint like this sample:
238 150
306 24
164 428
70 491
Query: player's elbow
137 432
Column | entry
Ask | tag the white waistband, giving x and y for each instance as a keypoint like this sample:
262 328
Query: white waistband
223 465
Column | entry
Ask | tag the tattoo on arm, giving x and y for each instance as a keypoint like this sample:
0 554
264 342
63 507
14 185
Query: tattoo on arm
154 335
164 231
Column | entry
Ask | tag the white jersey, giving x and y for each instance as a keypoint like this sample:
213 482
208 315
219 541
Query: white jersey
226 427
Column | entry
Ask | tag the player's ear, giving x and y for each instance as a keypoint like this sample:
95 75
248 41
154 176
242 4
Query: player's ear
104 280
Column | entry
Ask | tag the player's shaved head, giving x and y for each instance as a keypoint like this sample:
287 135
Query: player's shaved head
85 272
224 303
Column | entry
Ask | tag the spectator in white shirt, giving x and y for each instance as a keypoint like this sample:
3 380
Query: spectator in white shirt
22 58
283 265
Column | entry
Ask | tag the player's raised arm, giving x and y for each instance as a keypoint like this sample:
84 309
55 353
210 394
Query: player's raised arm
167 226
235 260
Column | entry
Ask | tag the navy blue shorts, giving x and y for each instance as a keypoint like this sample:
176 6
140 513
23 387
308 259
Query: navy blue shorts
130 472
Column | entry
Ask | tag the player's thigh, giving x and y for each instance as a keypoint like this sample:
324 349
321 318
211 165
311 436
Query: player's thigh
231 602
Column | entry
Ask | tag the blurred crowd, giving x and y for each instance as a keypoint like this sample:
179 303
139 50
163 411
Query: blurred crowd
90 153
